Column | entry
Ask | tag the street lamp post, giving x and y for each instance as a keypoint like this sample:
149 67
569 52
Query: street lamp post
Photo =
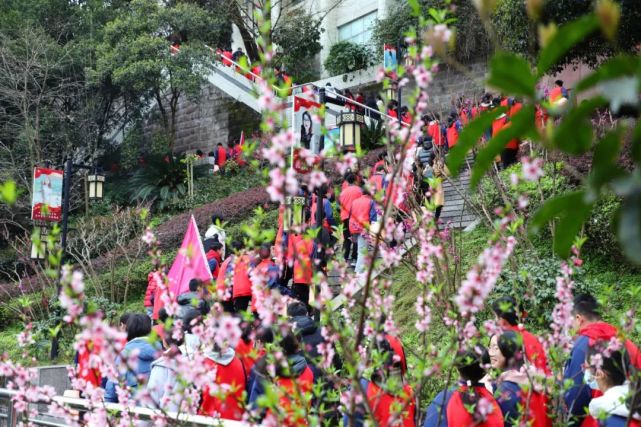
96 182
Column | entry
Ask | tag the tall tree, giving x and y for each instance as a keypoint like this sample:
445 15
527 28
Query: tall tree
136 55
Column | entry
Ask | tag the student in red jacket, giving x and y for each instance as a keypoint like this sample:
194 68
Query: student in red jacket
510 152
347 196
435 131
507 317
303 266
361 216
516 388
453 129
469 403
150 293
214 256
392 402
291 384
591 331
241 283
221 156
226 400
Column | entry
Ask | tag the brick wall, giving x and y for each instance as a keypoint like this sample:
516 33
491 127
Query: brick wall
204 121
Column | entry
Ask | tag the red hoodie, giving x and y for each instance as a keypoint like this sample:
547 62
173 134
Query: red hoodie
533 349
601 331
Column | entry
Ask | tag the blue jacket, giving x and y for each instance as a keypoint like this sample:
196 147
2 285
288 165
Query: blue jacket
578 396
507 396
147 353
438 408
359 410
614 421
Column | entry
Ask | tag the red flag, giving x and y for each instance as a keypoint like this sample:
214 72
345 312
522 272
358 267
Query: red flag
304 103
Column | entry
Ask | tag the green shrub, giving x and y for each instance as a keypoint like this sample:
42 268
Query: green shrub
213 187
534 285
599 230
345 57
161 181
552 183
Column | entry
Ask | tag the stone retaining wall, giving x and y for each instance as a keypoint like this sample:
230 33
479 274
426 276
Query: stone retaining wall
204 121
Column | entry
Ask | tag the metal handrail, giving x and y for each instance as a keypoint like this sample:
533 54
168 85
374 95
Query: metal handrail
83 405
334 92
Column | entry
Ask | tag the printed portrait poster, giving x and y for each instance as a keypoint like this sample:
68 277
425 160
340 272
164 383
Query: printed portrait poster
306 131
389 58
46 204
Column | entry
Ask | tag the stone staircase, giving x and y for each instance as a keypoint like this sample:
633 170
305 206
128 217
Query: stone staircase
455 211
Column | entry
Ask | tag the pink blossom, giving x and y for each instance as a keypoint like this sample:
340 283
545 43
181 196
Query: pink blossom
480 280
422 76
149 237
532 169
442 33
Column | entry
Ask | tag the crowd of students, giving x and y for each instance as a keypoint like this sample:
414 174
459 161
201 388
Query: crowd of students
505 384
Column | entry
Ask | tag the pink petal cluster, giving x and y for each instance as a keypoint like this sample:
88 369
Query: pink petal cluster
480 280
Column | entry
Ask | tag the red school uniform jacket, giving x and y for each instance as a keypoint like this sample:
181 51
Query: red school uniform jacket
151 289
498 125
230 404
434 130
458 415
222 157
397 347
360 214
242 283
294 388
222 281
383 403
303 250
534 350
346 198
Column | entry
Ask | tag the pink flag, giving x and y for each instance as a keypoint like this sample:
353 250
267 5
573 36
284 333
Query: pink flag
190 263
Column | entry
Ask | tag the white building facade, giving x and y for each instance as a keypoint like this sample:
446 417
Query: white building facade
343 20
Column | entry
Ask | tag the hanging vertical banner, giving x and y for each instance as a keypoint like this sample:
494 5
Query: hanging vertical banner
307 134
389 58
306 131
46 203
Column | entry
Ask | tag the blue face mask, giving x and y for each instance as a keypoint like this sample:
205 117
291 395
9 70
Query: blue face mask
589 380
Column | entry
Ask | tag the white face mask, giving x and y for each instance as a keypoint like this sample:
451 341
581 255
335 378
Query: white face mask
590 380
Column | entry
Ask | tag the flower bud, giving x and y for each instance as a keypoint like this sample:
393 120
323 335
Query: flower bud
534 8
608 13
546 33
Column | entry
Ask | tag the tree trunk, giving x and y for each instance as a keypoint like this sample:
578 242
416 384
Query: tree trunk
251 48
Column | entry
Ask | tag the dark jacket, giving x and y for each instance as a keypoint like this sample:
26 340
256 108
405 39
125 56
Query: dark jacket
310 337
190 300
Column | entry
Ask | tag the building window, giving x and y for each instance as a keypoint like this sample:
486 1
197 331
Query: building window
359 30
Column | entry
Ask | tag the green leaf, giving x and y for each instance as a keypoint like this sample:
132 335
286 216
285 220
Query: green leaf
8 192
522 124
572 210
622 65
469 137
574 134
629 228
512 75
604 168
565 38
416 7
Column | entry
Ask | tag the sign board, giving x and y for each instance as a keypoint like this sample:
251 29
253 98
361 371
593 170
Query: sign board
306 131
46 204
390 61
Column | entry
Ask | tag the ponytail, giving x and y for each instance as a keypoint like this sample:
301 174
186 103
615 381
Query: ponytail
470 366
